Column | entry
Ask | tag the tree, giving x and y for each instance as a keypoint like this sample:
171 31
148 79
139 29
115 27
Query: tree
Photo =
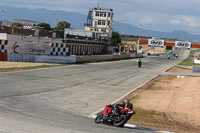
62 25
44 26
116 39
16 25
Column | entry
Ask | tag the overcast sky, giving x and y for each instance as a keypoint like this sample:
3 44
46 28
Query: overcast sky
158 15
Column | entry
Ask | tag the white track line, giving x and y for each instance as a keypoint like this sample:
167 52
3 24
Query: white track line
146 129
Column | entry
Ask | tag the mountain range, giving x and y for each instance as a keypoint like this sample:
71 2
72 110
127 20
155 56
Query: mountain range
77 21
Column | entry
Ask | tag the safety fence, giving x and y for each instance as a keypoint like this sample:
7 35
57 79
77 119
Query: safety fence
21 57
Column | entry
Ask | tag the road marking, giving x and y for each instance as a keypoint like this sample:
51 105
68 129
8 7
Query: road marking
145 129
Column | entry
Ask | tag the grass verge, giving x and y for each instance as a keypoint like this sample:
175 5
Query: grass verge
145 116
189 60
183 63
142 115
31 67
166 52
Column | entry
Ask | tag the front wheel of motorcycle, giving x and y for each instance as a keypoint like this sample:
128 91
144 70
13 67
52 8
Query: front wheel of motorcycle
121 121
98 118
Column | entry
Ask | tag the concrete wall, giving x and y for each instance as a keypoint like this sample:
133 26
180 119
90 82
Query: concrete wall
21 57
196 61
41 58
123 56
55 59
94 58
104 57
65 59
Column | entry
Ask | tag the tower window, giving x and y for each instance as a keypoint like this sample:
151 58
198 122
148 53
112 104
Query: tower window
108 22
101 22
97 13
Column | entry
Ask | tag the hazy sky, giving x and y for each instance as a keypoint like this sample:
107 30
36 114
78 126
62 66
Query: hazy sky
158 15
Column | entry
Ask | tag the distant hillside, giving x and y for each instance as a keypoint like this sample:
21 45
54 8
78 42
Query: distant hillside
77 21
133 30
42 15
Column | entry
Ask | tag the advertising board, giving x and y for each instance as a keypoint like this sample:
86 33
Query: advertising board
23 47
182 45
156 43
36 48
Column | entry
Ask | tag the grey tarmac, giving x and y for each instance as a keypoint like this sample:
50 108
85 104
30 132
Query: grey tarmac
59 100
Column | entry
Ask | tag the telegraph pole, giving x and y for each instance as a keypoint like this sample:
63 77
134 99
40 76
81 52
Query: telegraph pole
123 32
3 12
98 5
139 39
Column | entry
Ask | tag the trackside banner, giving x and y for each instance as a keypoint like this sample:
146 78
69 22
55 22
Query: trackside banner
156 43
182 45
23 47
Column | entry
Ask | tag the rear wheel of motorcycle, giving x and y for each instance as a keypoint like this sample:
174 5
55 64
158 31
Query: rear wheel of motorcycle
98 118
120 123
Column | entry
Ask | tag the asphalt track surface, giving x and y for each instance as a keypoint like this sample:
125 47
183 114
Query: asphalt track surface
59 100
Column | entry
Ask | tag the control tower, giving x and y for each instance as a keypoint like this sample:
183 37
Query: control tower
100 20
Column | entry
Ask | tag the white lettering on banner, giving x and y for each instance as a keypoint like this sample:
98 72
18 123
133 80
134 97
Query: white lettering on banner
156 43
37 50
180 44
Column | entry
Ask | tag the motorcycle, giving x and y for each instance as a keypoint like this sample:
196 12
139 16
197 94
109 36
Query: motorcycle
112 119
139 64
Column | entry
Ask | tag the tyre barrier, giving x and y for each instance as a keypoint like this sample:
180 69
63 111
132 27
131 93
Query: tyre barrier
3 56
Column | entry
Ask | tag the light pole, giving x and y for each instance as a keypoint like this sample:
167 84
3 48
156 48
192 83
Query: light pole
139 39
3 11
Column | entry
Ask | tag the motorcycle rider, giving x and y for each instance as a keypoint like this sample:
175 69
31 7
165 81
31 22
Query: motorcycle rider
176 56
126 104
168 56
139 62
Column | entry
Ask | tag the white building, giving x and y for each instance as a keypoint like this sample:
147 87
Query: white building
99 25
96 36
100 20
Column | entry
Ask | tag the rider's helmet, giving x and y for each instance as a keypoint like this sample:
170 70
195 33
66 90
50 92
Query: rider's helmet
126 101
138 60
